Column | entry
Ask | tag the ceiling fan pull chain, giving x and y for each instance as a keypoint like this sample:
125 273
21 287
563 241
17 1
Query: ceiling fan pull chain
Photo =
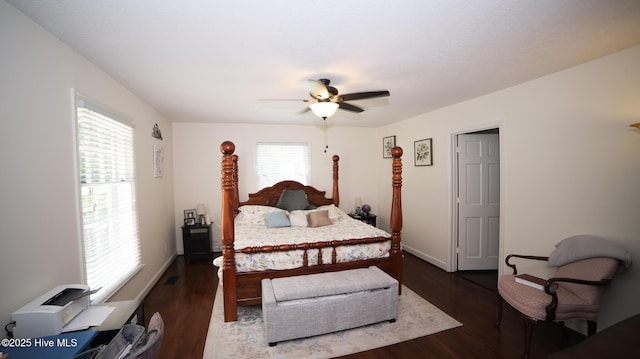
326 137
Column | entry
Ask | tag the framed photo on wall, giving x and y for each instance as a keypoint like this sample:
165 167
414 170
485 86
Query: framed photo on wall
158 161
423 152
388 143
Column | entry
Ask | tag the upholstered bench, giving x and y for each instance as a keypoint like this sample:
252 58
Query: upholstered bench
308 305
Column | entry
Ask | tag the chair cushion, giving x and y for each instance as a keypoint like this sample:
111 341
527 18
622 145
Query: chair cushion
533 302
588 269
575 301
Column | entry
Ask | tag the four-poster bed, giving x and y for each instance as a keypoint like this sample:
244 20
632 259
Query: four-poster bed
297 251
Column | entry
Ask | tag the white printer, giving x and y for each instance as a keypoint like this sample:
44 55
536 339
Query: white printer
51 312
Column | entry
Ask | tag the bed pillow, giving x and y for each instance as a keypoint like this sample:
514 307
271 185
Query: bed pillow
319 218
291 200
254 214
298 219
277 219
334 212
586 246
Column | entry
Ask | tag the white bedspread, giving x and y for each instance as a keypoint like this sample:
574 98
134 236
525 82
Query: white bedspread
252 231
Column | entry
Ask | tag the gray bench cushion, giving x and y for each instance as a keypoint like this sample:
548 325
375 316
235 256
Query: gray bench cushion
327 302
330 283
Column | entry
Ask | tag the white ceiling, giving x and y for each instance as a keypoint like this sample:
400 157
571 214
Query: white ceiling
213 61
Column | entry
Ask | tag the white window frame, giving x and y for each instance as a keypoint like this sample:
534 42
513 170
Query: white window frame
110 238
279 161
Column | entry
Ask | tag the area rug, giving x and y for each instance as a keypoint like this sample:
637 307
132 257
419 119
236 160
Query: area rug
245 338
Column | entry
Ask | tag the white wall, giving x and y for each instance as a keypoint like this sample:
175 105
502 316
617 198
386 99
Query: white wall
197 159
570 164
39 221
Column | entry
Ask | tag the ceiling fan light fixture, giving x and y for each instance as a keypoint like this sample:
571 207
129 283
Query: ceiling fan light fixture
324 109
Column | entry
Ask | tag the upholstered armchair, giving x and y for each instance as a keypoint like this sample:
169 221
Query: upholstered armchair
585 266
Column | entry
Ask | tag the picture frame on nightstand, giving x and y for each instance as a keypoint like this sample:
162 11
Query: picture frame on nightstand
190 216
189 213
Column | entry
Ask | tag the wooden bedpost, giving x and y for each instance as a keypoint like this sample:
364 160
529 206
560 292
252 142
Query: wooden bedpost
227 217
236 193
396 216
336 192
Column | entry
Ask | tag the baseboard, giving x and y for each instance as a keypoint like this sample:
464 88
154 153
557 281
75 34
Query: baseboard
425 257
156 278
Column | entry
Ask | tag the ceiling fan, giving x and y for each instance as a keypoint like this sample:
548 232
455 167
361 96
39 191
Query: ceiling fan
325 99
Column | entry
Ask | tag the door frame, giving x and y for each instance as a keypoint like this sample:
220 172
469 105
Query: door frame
453 243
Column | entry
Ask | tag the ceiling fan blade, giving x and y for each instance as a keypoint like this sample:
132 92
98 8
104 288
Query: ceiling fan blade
317 89
304 110
283 99
349 107
364 95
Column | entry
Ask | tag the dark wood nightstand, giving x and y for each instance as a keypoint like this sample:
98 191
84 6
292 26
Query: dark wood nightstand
196 241
368 219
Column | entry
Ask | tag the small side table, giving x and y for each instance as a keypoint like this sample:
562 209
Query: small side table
369 219
196 241
125 312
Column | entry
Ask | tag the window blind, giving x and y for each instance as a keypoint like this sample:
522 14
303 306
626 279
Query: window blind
280 161
108 201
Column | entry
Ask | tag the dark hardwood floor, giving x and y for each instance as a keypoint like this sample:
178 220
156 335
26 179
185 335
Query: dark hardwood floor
184 297
485 278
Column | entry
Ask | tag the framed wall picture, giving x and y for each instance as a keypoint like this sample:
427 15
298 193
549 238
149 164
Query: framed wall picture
388 143
158 161
423 152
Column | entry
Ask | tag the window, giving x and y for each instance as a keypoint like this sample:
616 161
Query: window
108 201
281 161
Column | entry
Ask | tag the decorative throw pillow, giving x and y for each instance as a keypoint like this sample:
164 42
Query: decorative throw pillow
254 214
298 219
319 219
277 219
334 212
585 246
291 200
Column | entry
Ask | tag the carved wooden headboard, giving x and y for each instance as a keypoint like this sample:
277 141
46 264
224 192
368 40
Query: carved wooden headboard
269 196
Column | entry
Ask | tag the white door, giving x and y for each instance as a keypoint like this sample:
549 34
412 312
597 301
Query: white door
478 201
